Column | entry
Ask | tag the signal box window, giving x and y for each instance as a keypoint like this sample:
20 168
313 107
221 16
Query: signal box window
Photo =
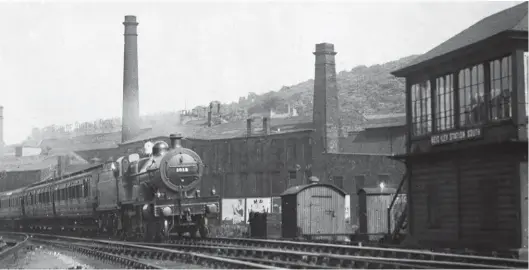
526 76
421 109
500 88
472 95
444 103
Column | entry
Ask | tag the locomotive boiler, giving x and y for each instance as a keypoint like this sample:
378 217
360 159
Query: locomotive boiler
167 182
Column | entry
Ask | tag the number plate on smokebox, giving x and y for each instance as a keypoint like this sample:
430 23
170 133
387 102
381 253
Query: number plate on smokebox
181 169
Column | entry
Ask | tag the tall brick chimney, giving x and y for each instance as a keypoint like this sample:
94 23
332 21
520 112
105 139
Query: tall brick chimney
1 128
326 111
131 102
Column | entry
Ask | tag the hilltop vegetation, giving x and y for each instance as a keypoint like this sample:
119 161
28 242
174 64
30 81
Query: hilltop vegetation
362 90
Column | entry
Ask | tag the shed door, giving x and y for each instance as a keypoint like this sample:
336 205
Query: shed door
322 214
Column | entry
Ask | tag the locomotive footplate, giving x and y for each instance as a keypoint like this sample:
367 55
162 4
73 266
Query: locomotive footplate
208 206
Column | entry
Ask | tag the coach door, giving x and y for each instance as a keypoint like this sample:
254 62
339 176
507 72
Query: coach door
23 205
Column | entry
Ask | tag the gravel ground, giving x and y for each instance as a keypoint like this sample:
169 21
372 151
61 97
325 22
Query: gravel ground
50 258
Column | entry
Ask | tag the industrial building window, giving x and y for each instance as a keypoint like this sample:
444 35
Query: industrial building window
383 180
291 150
360 182
244 153
259 151
472 95
250 183
264 183
307 151
229 153
338 181
233 186
278 149
444 103
421 109
278 183
292 178
432 206
500 88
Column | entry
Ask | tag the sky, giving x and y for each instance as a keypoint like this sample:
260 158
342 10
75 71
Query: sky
62 62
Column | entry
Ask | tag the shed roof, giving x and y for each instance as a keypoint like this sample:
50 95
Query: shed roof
511 19
378 191
297 189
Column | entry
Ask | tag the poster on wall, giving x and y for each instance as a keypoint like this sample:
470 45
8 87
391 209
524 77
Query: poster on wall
276 205
257 205
347 208
233 211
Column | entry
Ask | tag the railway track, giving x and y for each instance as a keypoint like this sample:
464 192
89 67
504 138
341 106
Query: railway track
339 253
268 253
14 242
139 255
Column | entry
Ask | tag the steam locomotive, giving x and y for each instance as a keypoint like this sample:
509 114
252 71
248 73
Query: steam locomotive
151 197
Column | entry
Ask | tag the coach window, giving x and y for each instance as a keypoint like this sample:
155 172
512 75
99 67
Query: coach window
500 88
444 103
421 110
86 189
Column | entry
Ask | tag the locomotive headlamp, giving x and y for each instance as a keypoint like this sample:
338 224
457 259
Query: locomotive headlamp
167 211
158 194
146 209
213 191
197 193
113 166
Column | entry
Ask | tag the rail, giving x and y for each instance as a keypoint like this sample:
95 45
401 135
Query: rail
300 259
135 258
401 184
336 249
16 247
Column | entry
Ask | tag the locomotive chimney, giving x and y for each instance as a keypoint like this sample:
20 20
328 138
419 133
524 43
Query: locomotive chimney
176 140
249 127
209 119
131 103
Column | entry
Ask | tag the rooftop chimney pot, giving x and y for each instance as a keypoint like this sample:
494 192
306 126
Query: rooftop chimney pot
266 126
249 127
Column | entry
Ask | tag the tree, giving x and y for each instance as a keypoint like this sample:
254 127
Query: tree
270 102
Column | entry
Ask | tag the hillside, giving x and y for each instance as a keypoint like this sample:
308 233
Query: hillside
363 90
